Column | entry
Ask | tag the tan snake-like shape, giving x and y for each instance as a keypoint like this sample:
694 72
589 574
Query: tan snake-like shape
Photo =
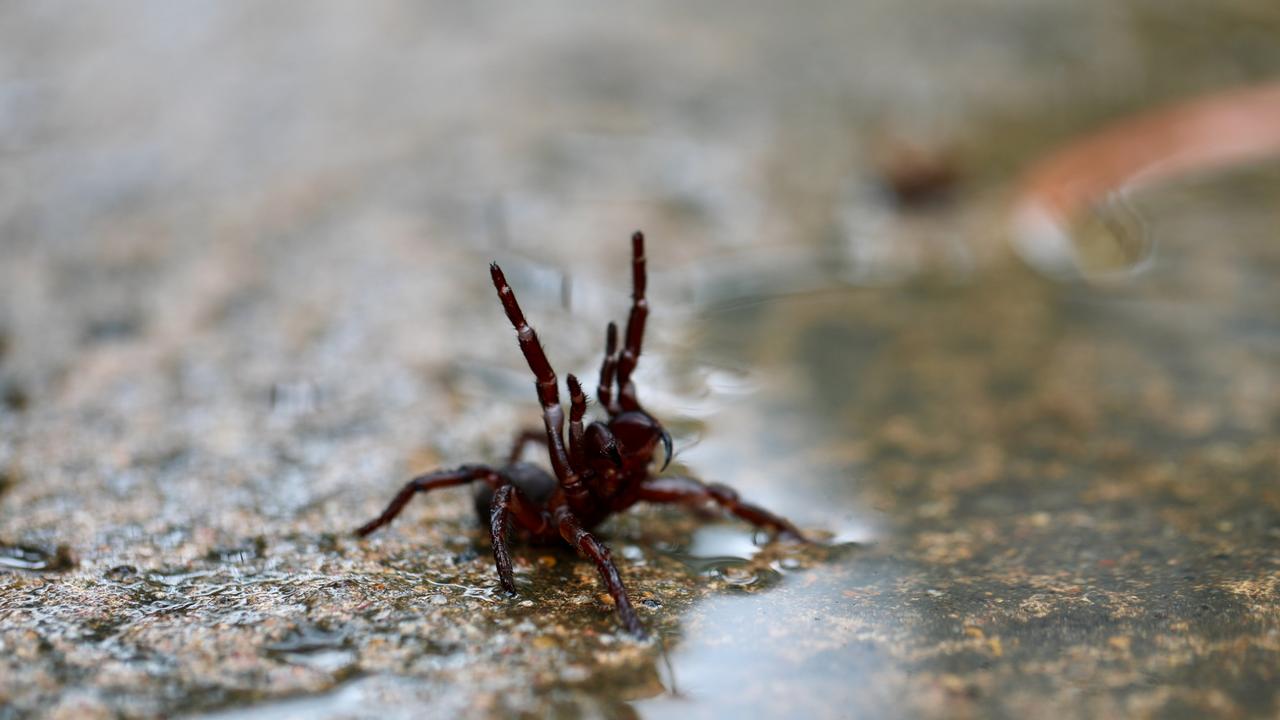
1211 132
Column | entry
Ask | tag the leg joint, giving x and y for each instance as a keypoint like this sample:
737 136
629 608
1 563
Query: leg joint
722 493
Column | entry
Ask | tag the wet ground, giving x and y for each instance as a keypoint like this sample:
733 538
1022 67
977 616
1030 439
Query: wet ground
243 295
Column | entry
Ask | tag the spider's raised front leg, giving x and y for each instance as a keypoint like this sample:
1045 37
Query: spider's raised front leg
587 545
635 326
464 475
508 501
608 369
691 492
548 393
577 409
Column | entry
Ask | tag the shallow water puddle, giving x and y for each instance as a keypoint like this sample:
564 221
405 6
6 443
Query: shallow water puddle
27 557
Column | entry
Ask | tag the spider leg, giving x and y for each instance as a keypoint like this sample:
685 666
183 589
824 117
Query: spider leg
635 326
587 545
608 369
522 440
507 502
548 391
689 491
577 408
426 483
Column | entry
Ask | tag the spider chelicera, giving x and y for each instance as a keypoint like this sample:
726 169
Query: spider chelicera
603 470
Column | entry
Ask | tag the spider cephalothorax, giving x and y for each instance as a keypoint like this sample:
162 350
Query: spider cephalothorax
604 467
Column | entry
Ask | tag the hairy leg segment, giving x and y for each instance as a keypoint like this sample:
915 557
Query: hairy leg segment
687 491
464 475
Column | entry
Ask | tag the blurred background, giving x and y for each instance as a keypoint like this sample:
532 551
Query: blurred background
243 296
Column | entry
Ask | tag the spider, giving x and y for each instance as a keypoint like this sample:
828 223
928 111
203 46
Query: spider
604 469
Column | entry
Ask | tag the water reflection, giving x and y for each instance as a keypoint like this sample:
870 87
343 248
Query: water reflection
733 644
1033 472
27 557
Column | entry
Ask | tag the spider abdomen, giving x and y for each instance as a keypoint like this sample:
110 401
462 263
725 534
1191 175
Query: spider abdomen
536 484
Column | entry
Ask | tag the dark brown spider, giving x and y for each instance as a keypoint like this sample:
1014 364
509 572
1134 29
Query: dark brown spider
604 470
